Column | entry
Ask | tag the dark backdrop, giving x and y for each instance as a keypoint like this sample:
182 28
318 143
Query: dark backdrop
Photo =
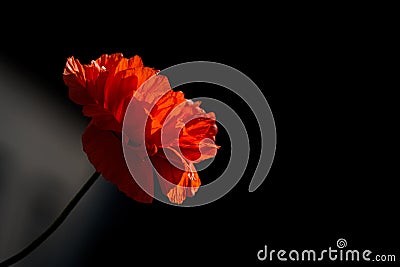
328 81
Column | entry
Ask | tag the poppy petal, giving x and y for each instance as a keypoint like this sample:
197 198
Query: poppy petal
104 85
123 85
159 113
109 61
176 183
163 108
104 151
102 118
197 138
74 78
191 129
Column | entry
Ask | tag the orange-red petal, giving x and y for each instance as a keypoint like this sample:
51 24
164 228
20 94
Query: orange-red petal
122 85
104 151
197 138
176 183
187 126
104 85
74 78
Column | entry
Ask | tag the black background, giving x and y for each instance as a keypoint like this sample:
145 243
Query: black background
328 78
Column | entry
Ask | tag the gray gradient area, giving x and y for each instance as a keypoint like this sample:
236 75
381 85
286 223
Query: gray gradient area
42 166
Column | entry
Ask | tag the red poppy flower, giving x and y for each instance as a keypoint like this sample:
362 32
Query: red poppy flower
104 88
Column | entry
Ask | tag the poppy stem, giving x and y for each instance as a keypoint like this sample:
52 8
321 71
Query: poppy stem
58 221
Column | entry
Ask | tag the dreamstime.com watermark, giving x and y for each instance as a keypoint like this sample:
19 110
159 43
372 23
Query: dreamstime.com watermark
338 253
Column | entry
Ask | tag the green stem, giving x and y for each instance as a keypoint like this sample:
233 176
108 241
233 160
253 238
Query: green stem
58 221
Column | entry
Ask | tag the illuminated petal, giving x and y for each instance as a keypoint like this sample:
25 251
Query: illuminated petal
188 127
178 178
123 85
159 113
197 138
176 183
74 78
105 86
